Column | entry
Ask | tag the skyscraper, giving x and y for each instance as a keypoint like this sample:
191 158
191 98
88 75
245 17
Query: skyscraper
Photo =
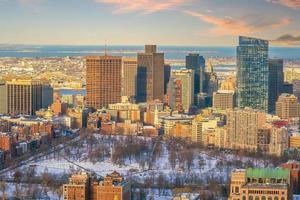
103 80
129 77
275 82
252 73
151 65
197 63
181 89
167 74
24 96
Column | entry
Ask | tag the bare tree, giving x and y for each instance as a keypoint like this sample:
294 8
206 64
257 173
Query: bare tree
3 187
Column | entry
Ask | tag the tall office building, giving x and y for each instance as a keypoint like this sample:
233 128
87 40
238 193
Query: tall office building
181 89
275 82
252 73
197 63
151 66
24 96
287 106
47 94
167 74
103 80
129 77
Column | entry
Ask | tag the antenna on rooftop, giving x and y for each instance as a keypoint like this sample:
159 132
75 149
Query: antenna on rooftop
105 48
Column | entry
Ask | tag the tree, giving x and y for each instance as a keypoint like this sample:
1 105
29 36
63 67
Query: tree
59 192
17 179
3 187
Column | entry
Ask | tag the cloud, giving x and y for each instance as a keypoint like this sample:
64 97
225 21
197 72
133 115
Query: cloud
287 39
142 6
295 4
237 26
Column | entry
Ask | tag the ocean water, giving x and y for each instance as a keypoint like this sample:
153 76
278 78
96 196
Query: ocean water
171 52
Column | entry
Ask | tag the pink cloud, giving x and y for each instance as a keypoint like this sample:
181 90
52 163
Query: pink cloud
144 6
295 4
233 26
290 3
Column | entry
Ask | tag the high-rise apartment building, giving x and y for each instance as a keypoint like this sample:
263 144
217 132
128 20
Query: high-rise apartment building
129 77
252 73
103 80
260 184
150 74
224 99
197 63
181 89
242 127
287 106
25 96
275 82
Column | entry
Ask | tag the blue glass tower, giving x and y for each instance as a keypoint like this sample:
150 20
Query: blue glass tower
197 63
252 73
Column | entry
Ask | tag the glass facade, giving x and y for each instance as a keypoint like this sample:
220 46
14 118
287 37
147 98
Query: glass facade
252 73
197 63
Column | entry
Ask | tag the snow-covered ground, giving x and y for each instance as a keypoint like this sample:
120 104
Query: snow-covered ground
205 164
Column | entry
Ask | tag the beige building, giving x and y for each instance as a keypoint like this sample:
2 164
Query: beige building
129 77
279 140
168 123
224 99
294 141
24 96
103 80
151 68
287 106
228 84
260 184
124 111
242 127
200 126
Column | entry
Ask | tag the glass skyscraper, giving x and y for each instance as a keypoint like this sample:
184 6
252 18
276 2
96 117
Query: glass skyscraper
276 79
197 63
252 73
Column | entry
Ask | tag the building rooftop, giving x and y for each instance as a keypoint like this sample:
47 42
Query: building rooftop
269 173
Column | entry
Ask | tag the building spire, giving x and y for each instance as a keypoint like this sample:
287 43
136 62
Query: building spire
105 48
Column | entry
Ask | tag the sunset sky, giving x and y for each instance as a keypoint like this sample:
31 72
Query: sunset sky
136 22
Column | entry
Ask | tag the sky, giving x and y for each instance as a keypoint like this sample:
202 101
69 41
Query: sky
137 22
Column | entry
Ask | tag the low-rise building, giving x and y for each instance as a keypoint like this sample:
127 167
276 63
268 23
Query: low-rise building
260 183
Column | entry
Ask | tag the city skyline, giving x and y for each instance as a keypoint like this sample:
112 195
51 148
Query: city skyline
172 22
